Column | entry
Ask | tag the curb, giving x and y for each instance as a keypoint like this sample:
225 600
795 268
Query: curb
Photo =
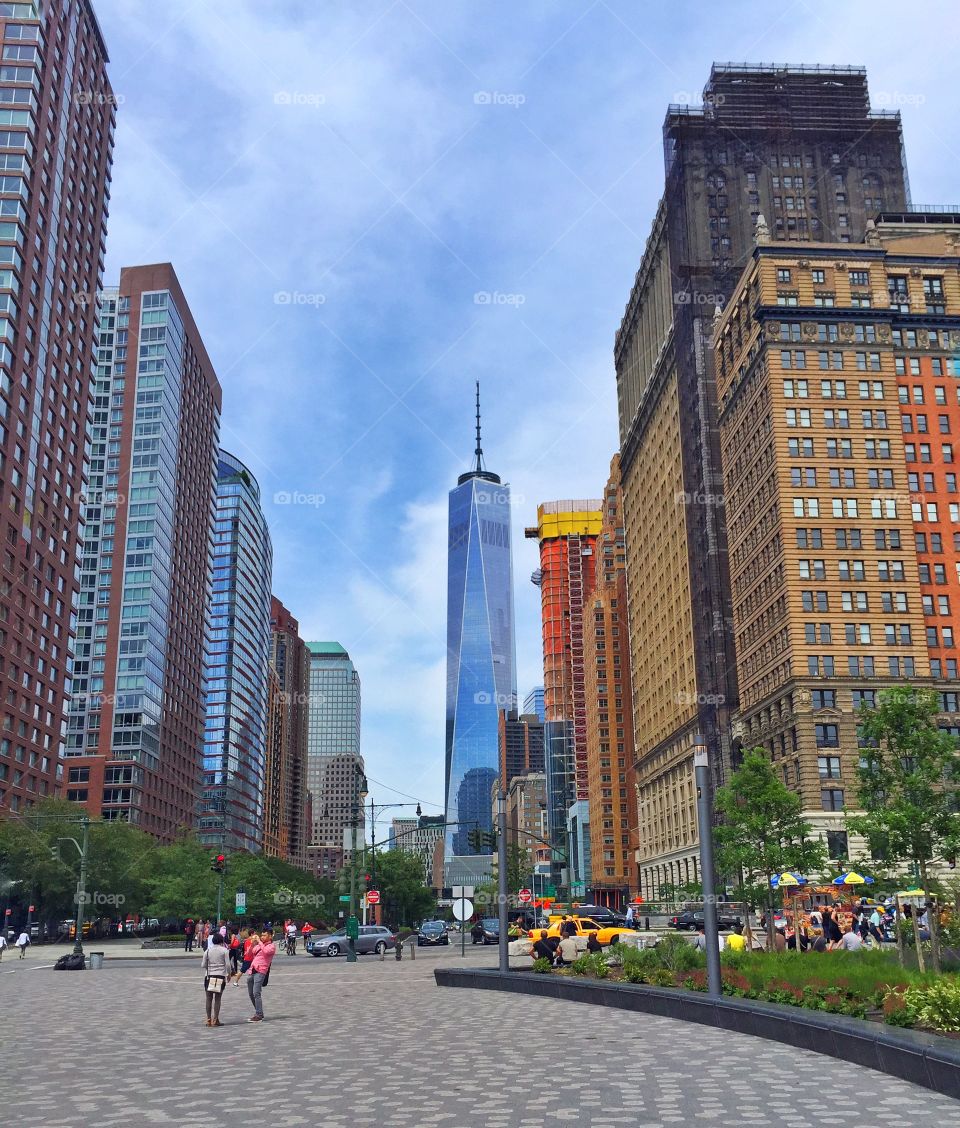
923 1059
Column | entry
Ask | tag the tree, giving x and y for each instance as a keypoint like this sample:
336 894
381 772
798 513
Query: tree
763 832
909 785
405 897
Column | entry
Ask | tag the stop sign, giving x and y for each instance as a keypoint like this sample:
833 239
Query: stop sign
524 896
373 897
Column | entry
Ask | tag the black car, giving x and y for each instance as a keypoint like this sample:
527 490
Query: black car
432 932
486 931
693 918
601 914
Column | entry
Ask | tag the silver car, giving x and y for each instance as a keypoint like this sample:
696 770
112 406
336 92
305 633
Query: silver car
372 938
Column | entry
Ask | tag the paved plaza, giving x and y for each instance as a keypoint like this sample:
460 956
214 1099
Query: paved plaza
380 1044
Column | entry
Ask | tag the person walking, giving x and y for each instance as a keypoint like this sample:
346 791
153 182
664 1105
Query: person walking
262 952
235 948
3 945
247 938
23 942
205 935
189 931
216 972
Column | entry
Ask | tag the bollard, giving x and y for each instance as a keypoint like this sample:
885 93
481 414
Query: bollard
398 950
413 948
647 919
383 954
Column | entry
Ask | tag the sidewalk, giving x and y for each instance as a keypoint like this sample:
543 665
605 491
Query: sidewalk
112 950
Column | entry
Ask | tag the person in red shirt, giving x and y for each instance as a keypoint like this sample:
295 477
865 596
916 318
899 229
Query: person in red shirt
247 937
262 952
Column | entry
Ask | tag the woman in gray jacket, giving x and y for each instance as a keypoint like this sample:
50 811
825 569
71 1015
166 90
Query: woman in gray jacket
216 972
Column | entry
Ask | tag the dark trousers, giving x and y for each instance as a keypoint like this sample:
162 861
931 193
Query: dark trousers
214 999
188 944
254 987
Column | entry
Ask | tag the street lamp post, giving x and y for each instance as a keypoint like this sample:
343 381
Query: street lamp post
502 880
701 767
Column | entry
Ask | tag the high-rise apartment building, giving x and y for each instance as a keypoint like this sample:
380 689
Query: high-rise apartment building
135 728
335 776
839 389
58 126
290 658
610 777
567 533
235 743
422 836
801 146
521 745
275 840
481 647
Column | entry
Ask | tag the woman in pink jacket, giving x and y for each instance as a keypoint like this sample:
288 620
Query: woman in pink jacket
262 953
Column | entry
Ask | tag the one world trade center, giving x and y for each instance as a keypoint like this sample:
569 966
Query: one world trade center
481 657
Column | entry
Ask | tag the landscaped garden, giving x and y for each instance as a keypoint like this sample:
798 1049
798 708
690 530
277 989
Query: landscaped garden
864 984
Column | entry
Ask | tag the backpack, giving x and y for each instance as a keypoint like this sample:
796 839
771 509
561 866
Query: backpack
73 961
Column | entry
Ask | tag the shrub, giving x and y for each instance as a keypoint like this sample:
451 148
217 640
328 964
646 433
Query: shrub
582 965
542 965
660 977
676 954
936 1005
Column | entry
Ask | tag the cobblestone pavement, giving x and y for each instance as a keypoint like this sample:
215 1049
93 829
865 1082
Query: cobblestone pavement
379 1044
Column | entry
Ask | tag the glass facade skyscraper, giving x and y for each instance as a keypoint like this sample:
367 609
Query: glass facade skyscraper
334 763
130 753
234 760
481 647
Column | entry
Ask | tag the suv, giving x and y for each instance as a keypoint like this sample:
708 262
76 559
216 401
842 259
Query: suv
432 932
693 918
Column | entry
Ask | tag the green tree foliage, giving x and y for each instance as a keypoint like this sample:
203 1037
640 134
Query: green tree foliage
763 832
406 900
909 783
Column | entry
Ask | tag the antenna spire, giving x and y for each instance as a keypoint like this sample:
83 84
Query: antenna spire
478 453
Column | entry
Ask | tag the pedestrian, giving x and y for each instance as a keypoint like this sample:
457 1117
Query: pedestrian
567 951
23 941
736 942
779 940
863 925
262 952
205 935
189 931
247 938
701 941
542 948
235 948
875 926
630 915
3 945
216 972
850 941
831 930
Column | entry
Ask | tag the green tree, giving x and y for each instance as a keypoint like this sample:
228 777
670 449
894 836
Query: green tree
763 832
405 897
909 785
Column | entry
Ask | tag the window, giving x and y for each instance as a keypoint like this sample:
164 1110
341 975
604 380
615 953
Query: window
859 278
824 698
831 799
818 276
828 767
837 845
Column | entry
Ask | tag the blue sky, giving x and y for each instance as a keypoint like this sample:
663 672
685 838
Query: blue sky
336 183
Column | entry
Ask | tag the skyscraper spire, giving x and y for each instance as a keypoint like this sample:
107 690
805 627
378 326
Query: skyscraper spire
479 451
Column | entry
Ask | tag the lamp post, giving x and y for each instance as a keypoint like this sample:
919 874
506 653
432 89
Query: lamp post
359 797
701 768
81 897
502 940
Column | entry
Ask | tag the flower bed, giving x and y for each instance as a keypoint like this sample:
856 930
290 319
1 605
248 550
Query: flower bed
858 984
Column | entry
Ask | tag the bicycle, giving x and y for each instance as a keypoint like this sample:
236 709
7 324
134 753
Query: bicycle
290 945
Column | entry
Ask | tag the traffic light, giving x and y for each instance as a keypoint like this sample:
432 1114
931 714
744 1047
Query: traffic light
475 840
367 880
219 863
490 839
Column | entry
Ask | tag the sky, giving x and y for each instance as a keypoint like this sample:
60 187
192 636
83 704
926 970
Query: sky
370 205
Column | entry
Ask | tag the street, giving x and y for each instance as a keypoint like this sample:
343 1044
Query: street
380 1044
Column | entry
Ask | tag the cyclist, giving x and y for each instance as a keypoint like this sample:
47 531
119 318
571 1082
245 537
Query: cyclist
291 937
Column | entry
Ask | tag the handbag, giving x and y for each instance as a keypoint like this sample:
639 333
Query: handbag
215 984
266 978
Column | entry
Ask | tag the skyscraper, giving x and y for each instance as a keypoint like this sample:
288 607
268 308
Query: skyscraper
567 533
335 770
235 750
610 779
135 729
290 658
481 648
799 145
58 131
534 704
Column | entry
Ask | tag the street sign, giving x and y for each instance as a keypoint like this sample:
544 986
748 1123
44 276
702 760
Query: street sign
461 891
373 897
344 897
241 905
463 909
524 896
353 928
240 910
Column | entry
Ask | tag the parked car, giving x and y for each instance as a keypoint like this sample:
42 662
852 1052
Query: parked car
601 914
692 918
371 938
486 931
432 932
